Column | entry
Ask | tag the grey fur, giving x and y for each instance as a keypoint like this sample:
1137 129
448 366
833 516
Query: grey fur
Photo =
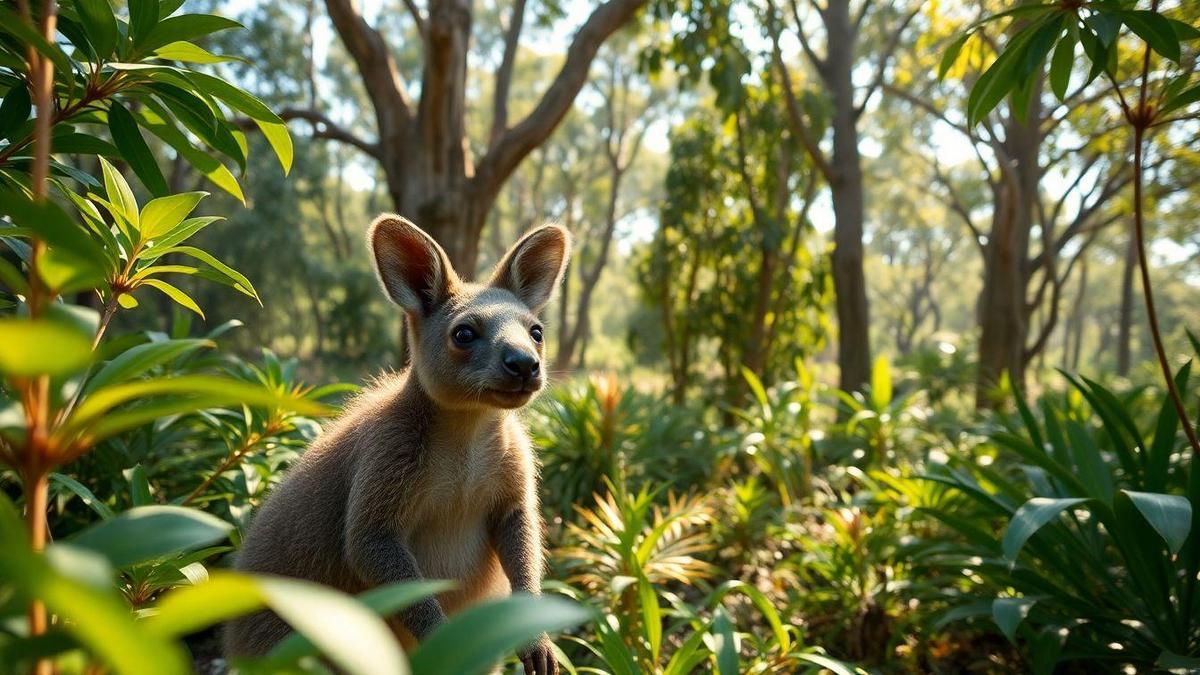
428 473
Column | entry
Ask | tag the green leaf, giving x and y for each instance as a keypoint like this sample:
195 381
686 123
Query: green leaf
42 348
99 24
13 24
147 533
94 617
187 609
238 281
85 495
164 214
53 225
212 169
271 126
1181 100
832 665
65 273
1169 660
1169 515
1009 613
185 27
384 601
1000 78
139 487
175 294
205 390
951 54
128 139
1061 65
1030 518
181 233
143 17
15 109
1185 31
119 194
186 52
651 616
473 641
13 278
83 144
881 383
354 639
724 644
1155 29
138 360
756 387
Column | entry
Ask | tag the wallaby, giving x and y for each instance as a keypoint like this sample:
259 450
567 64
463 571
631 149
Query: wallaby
429 472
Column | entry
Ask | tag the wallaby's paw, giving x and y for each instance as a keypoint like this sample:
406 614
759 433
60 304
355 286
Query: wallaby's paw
539 658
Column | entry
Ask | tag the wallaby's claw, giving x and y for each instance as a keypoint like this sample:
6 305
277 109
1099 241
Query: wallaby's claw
539 659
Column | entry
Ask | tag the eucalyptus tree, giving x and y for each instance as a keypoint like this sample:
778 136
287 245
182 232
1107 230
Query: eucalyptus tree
732 270
435 173
1053 172
847 48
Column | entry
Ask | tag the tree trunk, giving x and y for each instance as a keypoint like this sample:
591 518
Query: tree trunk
849 282
589 276
1125 322
430 174
1079 316
1003 310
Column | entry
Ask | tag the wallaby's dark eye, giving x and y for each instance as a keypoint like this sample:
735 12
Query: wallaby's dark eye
536 334
463 335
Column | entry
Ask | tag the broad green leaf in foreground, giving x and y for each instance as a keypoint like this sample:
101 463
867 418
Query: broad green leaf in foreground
345 631
1030 518
475 640
1169 515
42 348
151 532
384 601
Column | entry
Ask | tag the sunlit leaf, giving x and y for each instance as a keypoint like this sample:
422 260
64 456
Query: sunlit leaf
42 348
184 27
345 631
1009 613
1030 518
175 294
476 639
1169 515
138 360
148 533
164 214
187 52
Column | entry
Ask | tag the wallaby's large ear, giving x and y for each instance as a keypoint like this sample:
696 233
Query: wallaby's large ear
534 266
413 269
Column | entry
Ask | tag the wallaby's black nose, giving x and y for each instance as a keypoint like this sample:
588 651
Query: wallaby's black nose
520 363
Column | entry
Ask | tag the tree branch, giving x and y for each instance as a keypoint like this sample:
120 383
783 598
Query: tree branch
512 38
884 56
417 18
380 75
322 126
817 61
516 143
795 116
